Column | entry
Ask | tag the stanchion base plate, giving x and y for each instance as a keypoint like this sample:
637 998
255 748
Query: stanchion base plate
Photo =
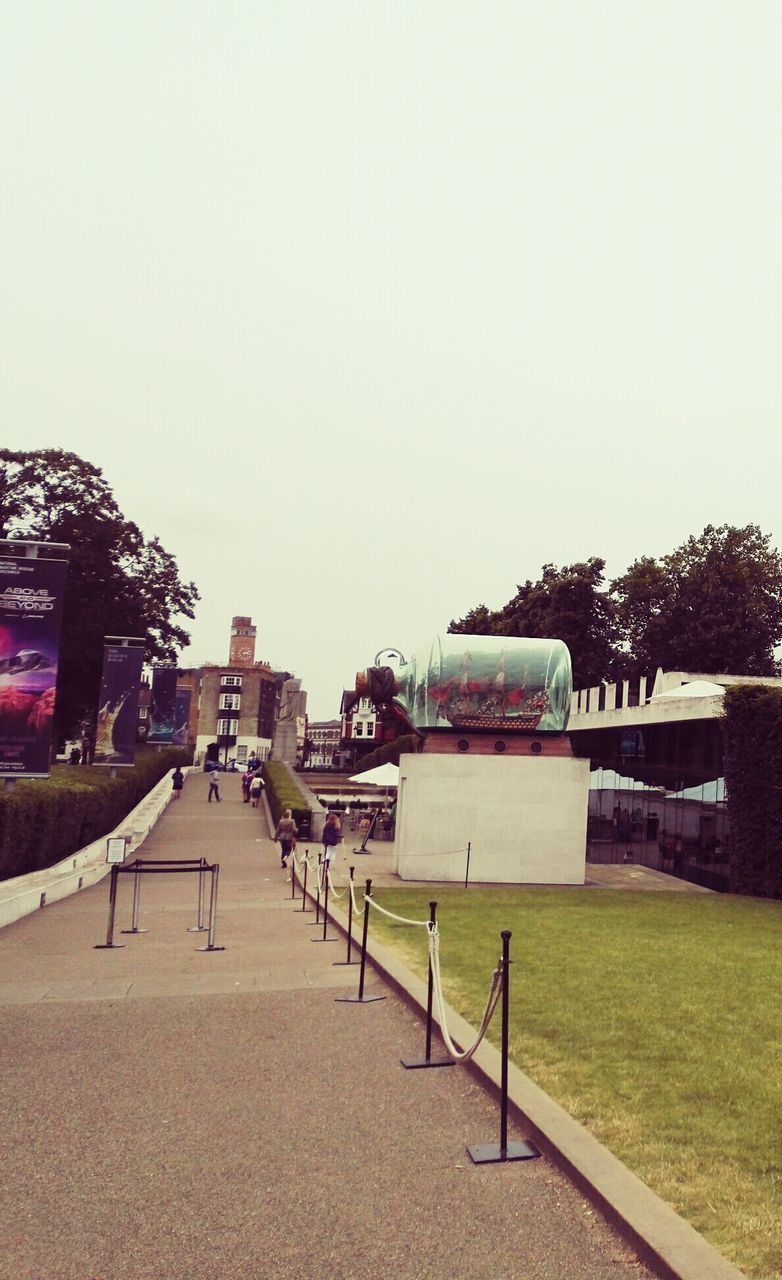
420 1066
492 1153
357 999
366 852
210 948
107 946
346 962
198 928
134 930
325 939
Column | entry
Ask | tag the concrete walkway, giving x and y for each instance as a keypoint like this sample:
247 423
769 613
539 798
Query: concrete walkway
184 1115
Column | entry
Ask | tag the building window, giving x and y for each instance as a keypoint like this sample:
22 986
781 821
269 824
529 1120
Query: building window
370 730
358 729
235 682
241 753
230 701
226 728
143 712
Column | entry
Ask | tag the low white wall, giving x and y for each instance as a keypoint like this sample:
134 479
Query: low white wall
22 895
525 818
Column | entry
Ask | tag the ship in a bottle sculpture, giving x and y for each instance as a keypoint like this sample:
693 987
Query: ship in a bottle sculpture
494 684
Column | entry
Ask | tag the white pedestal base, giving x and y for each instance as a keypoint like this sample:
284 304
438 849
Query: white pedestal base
525 818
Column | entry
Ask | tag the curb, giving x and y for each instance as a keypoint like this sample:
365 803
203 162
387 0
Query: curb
661 1237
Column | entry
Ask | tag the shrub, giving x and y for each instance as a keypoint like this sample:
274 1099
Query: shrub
282 792
390 752
752 727
43 820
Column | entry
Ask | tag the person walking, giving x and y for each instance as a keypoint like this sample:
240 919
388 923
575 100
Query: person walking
332 834
256 787
177 782
214 789
286 834
246 781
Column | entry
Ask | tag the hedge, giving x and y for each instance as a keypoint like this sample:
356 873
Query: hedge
390 752
282 792
752 727
44 820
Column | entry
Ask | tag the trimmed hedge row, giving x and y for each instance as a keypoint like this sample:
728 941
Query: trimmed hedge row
44 820
282 792
752 728
389 753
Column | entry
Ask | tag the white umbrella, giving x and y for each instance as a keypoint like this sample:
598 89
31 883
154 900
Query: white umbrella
695 689
385 775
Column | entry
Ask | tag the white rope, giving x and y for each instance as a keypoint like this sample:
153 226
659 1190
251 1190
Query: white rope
391 916
437 983
333 888
358 909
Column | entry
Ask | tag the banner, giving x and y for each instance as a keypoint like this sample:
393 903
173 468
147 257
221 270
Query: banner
115 736
181 717
31 599
161 715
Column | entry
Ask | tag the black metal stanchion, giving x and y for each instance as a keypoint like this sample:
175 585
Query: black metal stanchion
350 922
317 896
304 886
293 874
134 909
325 906
200 927
361 998
110 944
467 868
210 946
427 1062
506 1151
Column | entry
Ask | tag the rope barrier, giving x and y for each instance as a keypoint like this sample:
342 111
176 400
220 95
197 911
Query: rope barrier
333 888
391 915
495 988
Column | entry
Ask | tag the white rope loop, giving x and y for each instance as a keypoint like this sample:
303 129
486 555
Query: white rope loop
337 893
402 919
437 982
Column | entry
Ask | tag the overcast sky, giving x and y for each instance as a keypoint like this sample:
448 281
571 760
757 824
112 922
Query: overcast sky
368 310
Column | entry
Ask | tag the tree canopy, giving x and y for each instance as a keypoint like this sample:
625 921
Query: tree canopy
119 582
712 605
564 604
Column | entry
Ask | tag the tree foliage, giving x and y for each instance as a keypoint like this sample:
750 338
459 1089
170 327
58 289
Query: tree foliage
564 604
714 604
118 583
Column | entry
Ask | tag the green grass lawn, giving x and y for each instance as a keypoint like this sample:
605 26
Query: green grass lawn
654 1018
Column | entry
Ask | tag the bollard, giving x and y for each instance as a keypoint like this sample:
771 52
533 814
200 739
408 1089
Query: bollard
293 874
427 1062
505 1151
361 998
325 908
210 946
134 909
110 944
350 921
200 927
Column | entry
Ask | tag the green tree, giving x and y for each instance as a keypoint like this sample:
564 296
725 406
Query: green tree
564 604
712 605
118 583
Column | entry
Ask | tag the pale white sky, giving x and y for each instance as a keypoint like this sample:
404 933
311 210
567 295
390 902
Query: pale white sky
369 310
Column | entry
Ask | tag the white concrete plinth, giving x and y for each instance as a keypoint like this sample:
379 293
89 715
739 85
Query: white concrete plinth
525 818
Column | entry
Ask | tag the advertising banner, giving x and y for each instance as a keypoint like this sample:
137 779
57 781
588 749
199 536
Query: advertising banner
31 599
161 715
117 720
181 717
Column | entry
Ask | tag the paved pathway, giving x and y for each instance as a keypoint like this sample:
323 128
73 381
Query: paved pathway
184 1115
